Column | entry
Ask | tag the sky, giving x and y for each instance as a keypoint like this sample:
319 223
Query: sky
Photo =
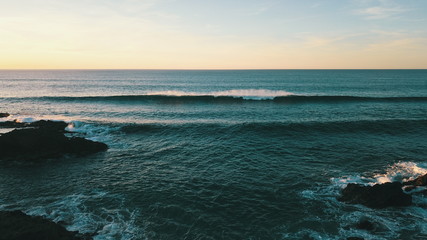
213 34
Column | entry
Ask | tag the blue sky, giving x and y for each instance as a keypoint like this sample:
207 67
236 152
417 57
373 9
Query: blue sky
189 34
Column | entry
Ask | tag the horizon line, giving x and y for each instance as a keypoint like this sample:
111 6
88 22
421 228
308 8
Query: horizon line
196 69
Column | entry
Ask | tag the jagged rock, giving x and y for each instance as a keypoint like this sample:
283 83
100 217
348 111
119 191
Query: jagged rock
44 139
377 196
3 115
16 225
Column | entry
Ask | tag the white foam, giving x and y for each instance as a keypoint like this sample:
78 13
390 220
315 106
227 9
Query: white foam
91 131
252 94
401 171
7 119
389 223
342 182
82 213
24 118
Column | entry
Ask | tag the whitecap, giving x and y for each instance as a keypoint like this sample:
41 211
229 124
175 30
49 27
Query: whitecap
249 94
82 213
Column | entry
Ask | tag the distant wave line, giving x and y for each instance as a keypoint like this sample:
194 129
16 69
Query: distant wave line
223 99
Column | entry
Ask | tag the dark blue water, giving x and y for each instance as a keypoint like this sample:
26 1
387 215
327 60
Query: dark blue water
256 154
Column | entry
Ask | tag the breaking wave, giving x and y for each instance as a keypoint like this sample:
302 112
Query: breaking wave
78 212
229 96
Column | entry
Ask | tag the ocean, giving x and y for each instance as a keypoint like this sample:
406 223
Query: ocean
221 154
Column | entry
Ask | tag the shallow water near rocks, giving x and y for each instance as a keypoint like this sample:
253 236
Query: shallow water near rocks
222 154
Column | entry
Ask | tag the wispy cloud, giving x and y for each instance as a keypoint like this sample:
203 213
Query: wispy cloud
381 12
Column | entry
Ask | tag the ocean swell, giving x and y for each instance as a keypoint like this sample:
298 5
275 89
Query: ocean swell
228 96
392 126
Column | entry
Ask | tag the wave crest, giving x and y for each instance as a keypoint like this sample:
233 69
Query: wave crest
250 94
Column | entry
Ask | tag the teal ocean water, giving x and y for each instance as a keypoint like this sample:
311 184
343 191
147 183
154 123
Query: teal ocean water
237 154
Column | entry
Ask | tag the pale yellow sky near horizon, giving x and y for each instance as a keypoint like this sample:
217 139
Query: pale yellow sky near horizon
168 34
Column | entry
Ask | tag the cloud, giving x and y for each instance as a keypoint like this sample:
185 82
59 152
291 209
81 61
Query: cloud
381 12
379 9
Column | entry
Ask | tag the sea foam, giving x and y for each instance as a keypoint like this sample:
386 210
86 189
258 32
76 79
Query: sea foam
400 171
77 213
389 223
249 94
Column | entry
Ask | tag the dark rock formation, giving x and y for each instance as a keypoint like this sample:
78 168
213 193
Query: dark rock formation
11 124
15 225
377 196
44 139
365 225
53 125
3 115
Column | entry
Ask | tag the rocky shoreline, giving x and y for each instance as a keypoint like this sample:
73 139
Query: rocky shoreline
16 225
378 196
41 140
390 194
37 141
46 139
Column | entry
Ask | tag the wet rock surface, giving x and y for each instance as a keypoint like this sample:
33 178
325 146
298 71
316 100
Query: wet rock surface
365 225
16 225
377 196
43 139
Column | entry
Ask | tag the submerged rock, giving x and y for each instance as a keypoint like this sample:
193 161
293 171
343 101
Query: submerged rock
16 225
44 139
365 225
3 115
377 196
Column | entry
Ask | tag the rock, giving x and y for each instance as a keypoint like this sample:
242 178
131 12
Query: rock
377 196
355 238
82 146
3 115
45 139
51 125
409 188
365 225
16 225
12 124
419 181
